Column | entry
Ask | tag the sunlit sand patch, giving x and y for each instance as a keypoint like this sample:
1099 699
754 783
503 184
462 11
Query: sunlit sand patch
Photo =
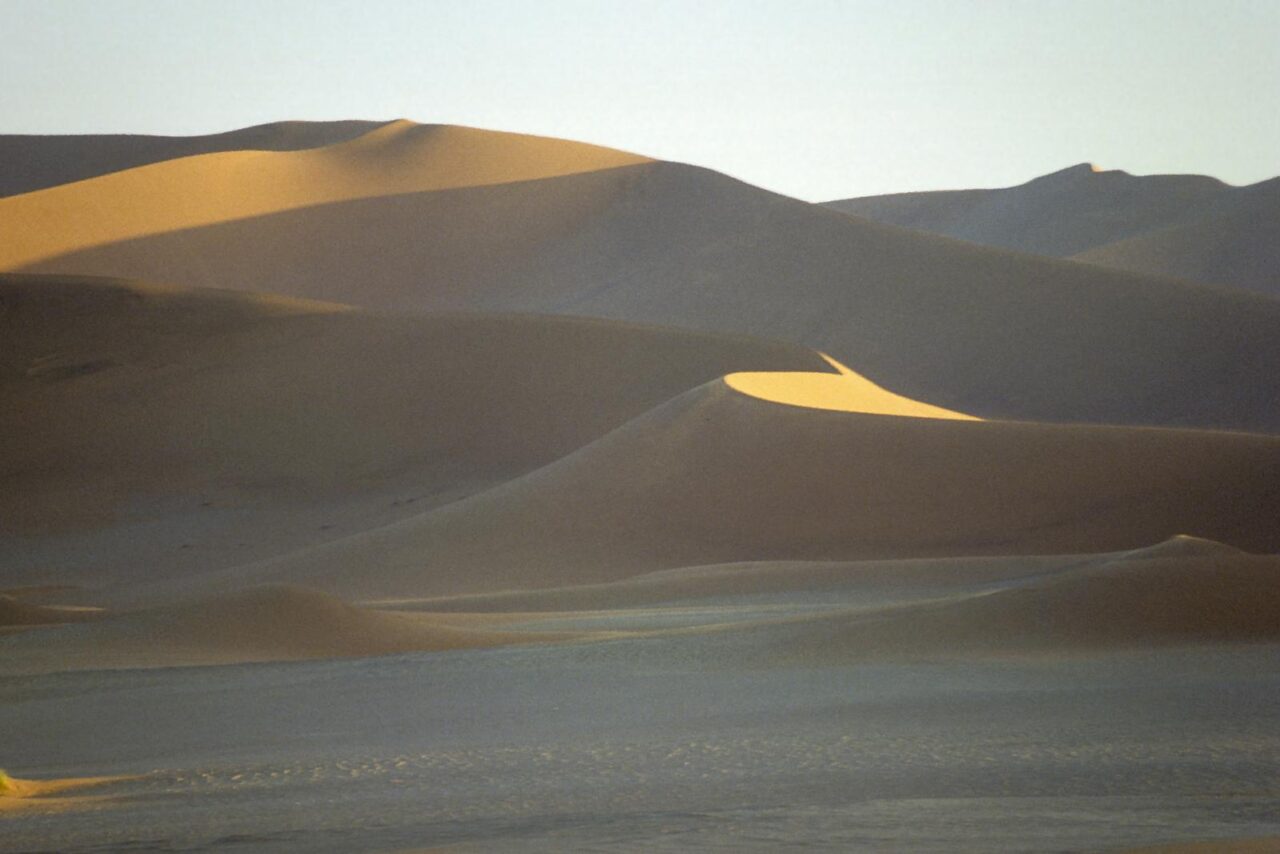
19 794
843 391
397 158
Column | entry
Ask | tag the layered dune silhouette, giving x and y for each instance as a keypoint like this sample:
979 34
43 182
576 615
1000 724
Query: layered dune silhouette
1184 226
430 218
1231 241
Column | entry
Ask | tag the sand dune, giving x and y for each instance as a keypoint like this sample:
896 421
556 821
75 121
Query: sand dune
132 402
399 157
964 327
1146 599
1230 242
35 162
717 477
1059 214
273 623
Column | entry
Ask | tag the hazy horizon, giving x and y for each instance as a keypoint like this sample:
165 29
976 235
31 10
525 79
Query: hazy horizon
817 101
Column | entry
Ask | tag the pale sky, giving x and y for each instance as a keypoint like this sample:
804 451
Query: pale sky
814 98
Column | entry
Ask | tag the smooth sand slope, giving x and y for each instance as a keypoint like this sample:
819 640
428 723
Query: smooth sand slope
1232 242
965 327
273 623
1059 214
1176 593
718 477
34 162
399 157
129 402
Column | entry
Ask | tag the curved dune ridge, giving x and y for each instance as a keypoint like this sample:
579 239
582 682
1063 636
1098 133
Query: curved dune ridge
1149 598
843 391
400 157
968 328
715 476
268 623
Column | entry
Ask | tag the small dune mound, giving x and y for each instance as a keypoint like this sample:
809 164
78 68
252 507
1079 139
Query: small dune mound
269 623
1206 597
1185 546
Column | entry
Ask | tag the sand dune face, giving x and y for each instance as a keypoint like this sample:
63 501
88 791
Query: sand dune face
966 328
273 623
255 399
716 477
399 157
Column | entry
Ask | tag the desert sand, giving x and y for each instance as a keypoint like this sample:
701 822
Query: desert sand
383 486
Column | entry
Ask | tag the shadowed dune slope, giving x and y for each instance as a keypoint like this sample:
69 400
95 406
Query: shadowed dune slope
1132 601
399 157
1232 242
716 477
1059 214
121 394
964 327
272 623
34 161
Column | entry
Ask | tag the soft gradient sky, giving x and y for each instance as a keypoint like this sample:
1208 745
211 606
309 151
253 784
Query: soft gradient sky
814 98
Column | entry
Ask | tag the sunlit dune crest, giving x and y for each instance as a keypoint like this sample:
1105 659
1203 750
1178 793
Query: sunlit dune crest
844 391
16 793
400 157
